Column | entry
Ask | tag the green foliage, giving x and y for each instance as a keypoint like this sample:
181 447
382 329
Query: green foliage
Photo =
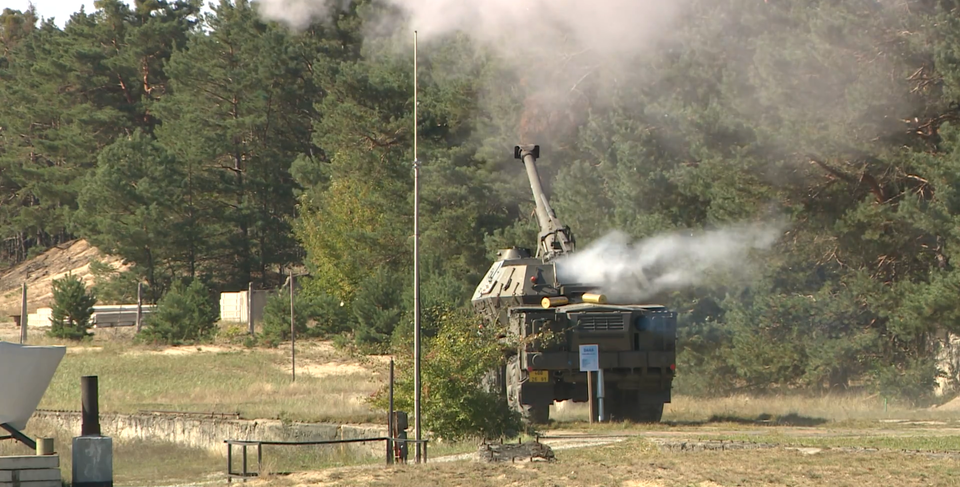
912 383
72 308
67 94
112 286
377 309
455 404
238 117
276 317
132 206
185 314
317 316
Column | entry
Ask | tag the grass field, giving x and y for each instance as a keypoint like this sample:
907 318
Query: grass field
256 383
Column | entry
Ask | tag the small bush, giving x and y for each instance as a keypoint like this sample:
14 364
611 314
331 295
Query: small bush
72 308
186 313
456 405
912 383
331 316
233 333
377 310
276 317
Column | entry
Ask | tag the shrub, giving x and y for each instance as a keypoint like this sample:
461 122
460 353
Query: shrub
186 313
72 308
276 317
377 309
328 314
456 405
913 383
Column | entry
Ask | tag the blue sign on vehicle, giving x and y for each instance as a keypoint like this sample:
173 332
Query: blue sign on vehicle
589 358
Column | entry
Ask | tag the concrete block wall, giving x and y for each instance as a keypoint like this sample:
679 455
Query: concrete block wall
30 471
234 307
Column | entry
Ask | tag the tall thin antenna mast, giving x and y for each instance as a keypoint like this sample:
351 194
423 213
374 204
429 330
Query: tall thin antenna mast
416 259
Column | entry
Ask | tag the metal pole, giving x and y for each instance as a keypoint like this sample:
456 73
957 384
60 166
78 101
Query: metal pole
90 413
139 306
23 314
600 394
293 334
416 260
390 432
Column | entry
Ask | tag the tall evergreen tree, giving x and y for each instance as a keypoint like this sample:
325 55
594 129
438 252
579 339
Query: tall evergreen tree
240 114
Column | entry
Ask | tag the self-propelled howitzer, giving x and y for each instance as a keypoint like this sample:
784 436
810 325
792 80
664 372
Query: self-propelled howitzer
544 321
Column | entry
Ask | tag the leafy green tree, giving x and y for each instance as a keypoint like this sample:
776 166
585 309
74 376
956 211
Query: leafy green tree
72 308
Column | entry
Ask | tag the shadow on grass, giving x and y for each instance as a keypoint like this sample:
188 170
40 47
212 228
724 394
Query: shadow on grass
792 419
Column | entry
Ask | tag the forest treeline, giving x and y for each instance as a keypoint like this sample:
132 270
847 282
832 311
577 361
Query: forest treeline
220 147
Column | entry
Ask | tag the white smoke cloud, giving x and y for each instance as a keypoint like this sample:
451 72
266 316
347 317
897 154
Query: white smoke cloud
628 271
602 26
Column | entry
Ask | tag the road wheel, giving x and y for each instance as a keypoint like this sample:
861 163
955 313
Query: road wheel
532 414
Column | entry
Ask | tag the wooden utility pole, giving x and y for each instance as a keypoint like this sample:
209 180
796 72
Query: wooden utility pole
139 306
23 314
592 405
250 307
293 334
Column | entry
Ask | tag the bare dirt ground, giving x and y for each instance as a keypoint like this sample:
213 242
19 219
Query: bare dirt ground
38 273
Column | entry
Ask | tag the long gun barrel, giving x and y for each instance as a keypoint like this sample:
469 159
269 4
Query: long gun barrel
555 238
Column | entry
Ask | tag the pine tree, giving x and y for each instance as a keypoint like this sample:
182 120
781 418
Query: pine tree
72 308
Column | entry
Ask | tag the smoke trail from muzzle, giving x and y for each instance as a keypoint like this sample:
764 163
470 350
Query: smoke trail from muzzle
634 271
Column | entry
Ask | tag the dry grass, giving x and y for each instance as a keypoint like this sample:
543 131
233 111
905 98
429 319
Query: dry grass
253 382
637 463
795 410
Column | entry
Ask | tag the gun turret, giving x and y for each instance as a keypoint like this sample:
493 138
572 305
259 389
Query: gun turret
555 238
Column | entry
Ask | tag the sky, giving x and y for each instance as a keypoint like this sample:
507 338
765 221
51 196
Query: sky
60 10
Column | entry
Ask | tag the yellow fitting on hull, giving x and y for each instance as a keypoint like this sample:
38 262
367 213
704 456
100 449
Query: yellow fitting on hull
553 301
594 298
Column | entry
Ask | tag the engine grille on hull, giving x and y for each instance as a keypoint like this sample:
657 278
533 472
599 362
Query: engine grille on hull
600 322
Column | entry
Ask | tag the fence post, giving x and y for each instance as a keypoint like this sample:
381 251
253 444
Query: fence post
390 432
293 334
250 307
139 306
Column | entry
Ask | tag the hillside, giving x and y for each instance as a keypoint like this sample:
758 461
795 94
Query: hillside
39 272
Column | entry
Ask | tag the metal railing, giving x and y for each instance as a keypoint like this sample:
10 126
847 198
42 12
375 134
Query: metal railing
392 453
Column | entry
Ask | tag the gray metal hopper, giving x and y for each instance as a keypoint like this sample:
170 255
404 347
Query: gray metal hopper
25 374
